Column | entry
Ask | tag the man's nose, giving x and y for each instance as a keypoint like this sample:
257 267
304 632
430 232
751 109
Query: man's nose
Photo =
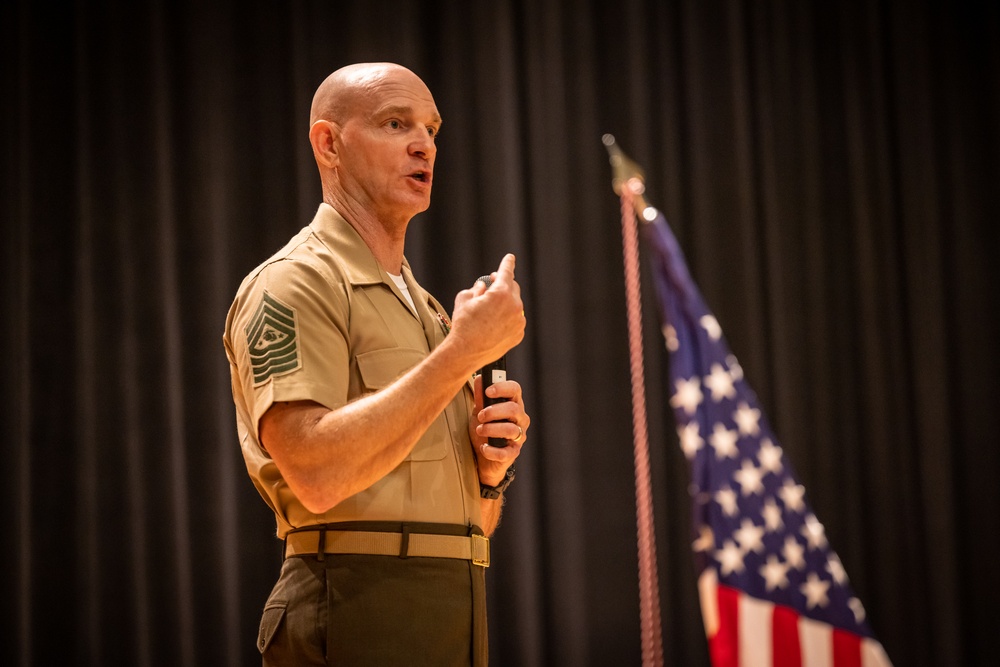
423 143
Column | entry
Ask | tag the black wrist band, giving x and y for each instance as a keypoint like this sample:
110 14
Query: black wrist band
494 492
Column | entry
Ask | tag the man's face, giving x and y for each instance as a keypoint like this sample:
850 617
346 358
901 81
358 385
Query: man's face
386 147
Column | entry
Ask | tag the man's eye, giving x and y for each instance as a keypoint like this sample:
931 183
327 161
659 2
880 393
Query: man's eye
394 124
432 131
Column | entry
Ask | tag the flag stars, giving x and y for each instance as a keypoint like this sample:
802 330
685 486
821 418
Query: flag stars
814 533
794 553
836 569
792 495
724 442
769 456
750 536
720 382
749 478
858 609
691 440
730 558
772 516
670 338
726 498
706 540
687 396
734 367
747 419
711 327
775 573
815 590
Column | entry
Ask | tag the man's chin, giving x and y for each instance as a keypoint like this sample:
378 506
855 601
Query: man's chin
421 203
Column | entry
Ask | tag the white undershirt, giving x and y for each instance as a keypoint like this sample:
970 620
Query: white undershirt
401 284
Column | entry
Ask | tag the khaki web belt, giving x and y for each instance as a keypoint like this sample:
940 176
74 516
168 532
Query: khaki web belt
307 542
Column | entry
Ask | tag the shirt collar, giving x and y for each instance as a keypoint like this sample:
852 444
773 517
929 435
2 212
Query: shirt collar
360 265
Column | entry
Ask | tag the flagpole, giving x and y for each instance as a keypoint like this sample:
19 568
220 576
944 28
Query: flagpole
628 184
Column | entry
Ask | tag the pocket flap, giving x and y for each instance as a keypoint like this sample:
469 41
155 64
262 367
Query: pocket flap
379 368
270 621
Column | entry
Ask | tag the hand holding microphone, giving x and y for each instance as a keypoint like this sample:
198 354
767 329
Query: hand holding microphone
489 321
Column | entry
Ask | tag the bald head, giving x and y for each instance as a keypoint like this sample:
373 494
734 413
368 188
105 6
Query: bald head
345 92
373 128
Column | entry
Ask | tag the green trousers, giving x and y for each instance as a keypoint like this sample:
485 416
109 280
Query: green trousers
376 610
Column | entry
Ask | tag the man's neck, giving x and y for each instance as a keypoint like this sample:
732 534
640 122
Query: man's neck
385 240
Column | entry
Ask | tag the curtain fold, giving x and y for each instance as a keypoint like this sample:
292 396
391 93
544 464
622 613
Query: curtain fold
832 172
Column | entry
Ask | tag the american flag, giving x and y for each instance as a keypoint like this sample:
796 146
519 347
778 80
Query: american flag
773 591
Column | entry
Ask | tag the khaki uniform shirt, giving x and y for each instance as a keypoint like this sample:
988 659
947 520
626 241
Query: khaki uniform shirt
321 321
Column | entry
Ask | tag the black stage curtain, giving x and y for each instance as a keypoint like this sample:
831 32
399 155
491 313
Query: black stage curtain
831 170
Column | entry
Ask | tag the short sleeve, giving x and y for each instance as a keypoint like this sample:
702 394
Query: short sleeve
290 338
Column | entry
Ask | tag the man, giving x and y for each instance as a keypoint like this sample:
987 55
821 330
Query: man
358 420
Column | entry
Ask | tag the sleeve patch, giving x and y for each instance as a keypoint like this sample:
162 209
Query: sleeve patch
272 340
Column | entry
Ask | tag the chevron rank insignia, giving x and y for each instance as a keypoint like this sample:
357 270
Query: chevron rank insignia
272 339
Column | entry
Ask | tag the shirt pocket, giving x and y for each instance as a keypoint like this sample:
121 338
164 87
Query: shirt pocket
380 368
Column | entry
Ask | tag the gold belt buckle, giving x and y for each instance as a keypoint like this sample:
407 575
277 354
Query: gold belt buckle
480 550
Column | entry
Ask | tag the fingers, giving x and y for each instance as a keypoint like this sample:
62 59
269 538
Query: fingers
477 392
502 287
505 272
511 409
477 289
507 419
502 279
508 429
489 322
464 296
509 389
501 455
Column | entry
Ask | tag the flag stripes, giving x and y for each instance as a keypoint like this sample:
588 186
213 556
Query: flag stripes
758 633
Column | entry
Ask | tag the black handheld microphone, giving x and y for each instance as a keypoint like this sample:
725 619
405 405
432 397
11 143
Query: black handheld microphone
494 372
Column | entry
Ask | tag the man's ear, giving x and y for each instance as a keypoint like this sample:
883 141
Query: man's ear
322 136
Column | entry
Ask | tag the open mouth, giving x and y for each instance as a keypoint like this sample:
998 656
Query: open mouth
422 176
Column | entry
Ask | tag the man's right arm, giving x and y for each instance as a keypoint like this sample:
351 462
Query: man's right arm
328 455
